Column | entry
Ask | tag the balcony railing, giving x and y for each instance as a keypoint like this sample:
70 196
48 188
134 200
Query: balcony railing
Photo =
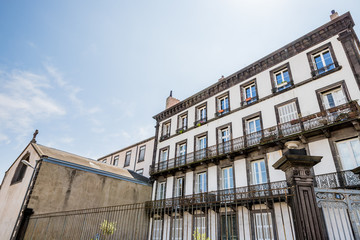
345 179
313 122
228 195
222 112
200 122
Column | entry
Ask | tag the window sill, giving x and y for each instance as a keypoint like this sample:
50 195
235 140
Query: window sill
327 72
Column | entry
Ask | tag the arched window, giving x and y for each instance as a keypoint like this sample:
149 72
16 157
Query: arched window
20 170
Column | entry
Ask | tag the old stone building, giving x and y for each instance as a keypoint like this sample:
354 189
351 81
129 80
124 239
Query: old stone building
217 148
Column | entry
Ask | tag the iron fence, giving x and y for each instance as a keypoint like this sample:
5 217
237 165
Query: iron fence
344 179
324 119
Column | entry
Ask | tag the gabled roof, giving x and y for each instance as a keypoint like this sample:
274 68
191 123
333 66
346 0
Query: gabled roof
63 158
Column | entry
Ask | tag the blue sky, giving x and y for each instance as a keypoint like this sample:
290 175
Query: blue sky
91 74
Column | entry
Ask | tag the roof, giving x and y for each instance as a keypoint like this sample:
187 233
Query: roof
60 157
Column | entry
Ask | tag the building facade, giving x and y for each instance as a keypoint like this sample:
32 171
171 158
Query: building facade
225 139
137 157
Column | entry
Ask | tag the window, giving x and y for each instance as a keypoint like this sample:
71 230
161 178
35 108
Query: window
183 123
200 225
201 145
227 178
116 160
349 153
282 79
163 158
161 191
157 229
105 160
249 93
224 145
333 98
140 171
200 183
165 131
322 60
179 187
201 116
258 172
177 229
223 106
181 154
228 227
287 112
287 115
263 225
253 125
142 154
127 159
20 171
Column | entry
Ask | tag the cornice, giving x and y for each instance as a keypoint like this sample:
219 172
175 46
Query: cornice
303 43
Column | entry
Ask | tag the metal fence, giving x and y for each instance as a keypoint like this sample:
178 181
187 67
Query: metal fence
260 212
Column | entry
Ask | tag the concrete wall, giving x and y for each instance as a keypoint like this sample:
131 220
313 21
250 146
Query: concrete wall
12 195
60 188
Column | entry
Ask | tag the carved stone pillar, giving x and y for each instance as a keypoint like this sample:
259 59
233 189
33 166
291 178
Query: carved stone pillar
308 221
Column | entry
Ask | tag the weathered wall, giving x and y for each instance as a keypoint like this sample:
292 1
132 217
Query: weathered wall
60 188
12 195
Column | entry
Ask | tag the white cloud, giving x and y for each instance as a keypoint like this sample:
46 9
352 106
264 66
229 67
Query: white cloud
24 100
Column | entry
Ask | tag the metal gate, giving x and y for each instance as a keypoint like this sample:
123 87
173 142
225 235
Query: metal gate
341 211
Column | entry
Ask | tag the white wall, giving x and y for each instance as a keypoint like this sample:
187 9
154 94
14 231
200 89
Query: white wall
275 175
322 148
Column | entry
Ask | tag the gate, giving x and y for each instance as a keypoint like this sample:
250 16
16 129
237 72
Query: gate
341 211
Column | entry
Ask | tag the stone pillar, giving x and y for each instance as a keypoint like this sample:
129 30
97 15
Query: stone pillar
308 221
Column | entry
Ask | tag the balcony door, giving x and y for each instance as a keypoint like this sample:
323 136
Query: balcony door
181 154
201 144
253 130
224 135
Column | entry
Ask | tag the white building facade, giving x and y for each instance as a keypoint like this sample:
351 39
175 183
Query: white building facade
225 138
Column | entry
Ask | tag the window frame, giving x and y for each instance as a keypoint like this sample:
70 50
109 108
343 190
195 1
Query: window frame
224 111
272 218
160 229
276 107
176 188
203 216
180 127
20 170
353 157
311 60
196 139
177 151
251 172
143 147
165 135
196 182
222 187
157 190
321 91
224 146
179 219
116 158
232 215
198 120
243 96
126 164
275 87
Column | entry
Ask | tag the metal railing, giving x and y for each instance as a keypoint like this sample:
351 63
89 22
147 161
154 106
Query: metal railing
344 179
325 69
312 122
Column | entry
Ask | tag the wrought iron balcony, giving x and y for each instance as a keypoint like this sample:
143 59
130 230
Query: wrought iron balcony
248 193
313 124
200 122
222 112
345 179
323 70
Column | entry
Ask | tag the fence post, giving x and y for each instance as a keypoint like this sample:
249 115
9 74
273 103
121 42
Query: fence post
308 221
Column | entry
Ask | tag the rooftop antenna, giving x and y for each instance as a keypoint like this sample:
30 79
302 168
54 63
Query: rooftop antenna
171 93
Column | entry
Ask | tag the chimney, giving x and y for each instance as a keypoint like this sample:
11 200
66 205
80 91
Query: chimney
170 101
333 15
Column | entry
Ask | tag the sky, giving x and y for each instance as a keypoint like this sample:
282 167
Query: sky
90 75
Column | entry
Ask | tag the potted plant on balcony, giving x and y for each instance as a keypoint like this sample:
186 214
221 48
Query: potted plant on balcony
323 121
248 99
221 111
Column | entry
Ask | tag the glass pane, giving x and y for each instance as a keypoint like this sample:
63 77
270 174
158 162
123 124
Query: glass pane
248 94
253 91
328 60
355 145
318 62
286 76
330 100
258 127
279 78
345 156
